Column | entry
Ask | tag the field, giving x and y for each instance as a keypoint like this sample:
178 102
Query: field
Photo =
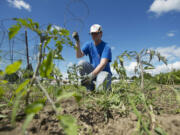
123 111
35 100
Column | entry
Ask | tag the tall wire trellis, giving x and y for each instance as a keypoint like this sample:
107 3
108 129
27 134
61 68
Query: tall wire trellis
15 49
76 12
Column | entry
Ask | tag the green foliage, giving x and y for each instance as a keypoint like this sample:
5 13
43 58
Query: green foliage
12 68
15 108
22 86
27 121
60 36
64 95
12 77
19 93
147 76
69 124
10 73
118 65
31 110
26 23
1 92
73 74
160 131
47 66
143 59
27 73
172 77
14 30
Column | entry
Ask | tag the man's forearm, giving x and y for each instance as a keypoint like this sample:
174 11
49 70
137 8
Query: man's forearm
78 50
100 67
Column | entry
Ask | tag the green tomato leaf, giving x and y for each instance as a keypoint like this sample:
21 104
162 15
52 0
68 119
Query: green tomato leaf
12 68
27 121
65 95
49 27
23 22
47 66
69 124
14 30
64 32
78 97
3 81
22 85
160 131
37 25
33 108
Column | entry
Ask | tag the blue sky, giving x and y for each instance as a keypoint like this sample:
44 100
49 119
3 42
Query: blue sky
127 24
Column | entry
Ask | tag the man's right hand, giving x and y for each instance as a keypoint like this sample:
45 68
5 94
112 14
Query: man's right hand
75 36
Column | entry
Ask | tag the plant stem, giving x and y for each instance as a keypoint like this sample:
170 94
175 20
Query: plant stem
47 95
36 70
142 76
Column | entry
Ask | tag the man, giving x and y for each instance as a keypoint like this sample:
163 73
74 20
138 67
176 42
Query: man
100 57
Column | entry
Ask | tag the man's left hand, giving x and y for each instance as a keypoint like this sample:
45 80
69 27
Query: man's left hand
87 79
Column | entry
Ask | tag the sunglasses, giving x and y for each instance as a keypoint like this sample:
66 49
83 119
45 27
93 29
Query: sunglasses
95 33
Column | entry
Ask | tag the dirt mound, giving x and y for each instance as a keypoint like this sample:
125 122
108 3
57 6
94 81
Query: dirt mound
90 121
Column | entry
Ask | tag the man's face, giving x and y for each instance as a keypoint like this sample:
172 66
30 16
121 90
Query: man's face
96 36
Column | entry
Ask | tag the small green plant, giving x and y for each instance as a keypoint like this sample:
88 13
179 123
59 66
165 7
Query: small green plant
118 65
73 76
44 68
143 59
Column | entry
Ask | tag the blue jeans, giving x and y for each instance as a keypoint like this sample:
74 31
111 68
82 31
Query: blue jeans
102 80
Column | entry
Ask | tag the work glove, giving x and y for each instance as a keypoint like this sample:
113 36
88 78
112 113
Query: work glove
75 36
87 79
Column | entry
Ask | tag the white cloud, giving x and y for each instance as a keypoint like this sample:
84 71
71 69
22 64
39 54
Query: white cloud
20 4
163 68
170 34
130 68
114 72
163 6
170 52
56 27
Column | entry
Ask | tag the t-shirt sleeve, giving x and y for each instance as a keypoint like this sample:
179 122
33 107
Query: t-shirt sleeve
85 49
107 53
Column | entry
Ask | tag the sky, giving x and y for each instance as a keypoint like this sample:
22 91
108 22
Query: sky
127 25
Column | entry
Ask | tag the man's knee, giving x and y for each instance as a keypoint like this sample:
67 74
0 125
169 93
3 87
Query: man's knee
85 67
104 75
103 80
82 63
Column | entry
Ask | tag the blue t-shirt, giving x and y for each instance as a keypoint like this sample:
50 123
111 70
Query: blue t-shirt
95 54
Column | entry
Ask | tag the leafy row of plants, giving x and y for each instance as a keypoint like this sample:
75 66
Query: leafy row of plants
44 68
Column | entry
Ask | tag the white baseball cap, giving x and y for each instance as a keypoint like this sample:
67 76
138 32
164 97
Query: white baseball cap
95 28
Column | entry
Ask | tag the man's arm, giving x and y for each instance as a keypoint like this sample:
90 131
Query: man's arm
100 67
94 73
79 53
